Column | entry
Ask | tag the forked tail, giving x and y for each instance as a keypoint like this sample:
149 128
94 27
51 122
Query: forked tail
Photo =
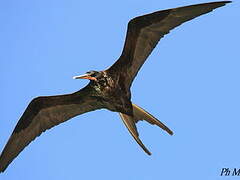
141 114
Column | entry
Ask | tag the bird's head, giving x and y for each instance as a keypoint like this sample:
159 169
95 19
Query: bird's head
91 75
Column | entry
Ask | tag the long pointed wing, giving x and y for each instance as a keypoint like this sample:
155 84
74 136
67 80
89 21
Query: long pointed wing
43 113
144 32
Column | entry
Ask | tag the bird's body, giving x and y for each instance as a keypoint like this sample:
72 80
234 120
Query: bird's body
111 93
109 89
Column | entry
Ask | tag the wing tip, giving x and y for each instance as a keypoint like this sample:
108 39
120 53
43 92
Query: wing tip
2 171
3 168
227 2
220 3
213 5
149 153
3 162
170 132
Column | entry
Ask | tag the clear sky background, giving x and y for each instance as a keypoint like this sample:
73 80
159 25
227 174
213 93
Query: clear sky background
190 82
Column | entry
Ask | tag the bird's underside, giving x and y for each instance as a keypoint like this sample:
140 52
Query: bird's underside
108 89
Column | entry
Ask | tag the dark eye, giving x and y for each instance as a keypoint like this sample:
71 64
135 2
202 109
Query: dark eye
93 73
90 72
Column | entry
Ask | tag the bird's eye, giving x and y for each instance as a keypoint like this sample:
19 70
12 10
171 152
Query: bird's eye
93 73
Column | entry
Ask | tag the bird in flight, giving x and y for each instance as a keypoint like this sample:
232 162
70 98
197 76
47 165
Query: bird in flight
109 89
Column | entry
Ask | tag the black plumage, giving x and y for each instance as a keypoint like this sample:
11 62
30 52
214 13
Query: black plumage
108 89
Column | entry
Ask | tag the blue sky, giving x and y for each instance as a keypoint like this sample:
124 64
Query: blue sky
195 90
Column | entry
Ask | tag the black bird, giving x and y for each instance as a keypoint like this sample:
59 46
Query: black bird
108 89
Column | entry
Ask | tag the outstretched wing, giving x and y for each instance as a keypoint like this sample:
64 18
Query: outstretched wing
144 32
43 113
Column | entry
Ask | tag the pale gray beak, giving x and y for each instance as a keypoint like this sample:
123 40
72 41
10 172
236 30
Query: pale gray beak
85 76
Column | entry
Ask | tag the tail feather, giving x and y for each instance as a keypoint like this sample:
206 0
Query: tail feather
131 126
141 114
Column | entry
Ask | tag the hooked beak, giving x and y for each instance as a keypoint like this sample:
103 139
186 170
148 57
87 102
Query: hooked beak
85 76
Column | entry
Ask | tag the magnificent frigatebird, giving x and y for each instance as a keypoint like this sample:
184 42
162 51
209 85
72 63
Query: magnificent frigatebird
108 89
